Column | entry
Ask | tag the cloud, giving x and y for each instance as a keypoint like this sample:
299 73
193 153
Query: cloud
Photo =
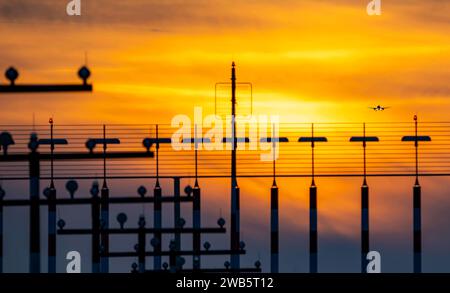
159 15
191 15
21 10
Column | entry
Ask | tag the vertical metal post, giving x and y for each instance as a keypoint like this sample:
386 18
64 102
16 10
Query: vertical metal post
274 242
51 210
313 234
417 217
364 212
313 243
104 260
52 230
157 210
364 226
235 259
417 229
34 169
364 199
274 225
196 215
141 244
313 239
2 194
177 211
172 258
196 236
95 213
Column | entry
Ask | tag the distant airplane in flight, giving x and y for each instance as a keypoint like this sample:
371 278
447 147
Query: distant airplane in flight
379 108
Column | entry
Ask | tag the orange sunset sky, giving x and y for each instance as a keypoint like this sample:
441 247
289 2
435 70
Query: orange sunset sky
308 61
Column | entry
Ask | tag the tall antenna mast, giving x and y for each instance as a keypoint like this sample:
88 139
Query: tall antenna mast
52 148
417 195
235 191
364 200
235 261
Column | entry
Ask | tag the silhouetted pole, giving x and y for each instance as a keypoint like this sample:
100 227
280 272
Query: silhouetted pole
196 216
157 204
2 195
274 214
364 226
364 214
141 244
177 211
313 233
35 240
104 202
417 228
51 210
172 257
51 196
157 209
235 214
364 201
103 220
313 241
235 191
417 190
196 225
274 235
95 241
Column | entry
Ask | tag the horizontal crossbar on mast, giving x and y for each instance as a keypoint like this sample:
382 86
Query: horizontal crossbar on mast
137 230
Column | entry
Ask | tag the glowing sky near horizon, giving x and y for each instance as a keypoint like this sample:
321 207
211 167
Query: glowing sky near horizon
308 61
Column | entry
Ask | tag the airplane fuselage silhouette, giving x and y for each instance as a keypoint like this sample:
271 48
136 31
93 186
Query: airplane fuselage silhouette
378 108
